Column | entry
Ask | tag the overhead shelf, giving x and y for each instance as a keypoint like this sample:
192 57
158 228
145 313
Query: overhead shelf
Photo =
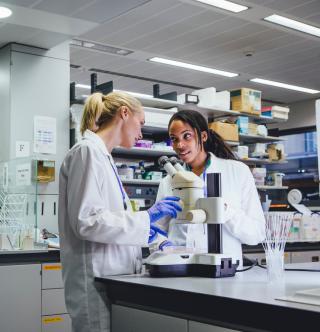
143 152
272 187
232 143
157 102
208 112
141 181
260 161
259 139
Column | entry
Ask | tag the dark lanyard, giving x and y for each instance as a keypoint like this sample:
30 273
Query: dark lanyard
205 190
120 185
204 175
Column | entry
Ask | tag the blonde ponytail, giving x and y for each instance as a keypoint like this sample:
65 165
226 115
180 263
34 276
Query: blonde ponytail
101 109
93 108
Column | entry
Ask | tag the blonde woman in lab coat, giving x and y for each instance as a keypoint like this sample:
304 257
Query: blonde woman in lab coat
203 152
100 234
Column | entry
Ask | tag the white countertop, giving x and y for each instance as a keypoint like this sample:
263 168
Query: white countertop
249 286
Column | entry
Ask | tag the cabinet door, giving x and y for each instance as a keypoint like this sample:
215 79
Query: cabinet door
52 276
200 327
126 319
56 323
20 298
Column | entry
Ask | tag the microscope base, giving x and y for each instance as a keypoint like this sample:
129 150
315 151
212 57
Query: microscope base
191 265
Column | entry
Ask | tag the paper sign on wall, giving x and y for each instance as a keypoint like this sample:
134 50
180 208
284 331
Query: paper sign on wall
23 175
22 149
45 135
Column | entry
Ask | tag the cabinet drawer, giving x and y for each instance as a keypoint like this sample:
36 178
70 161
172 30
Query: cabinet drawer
52 276
56 323
53 302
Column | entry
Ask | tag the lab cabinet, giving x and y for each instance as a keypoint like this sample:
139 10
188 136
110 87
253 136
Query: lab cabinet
56 323
200 327
125 319
53 309
51 276
305 256
20 298
53 302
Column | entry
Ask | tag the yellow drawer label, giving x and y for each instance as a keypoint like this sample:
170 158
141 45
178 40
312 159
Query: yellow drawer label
52 267
50 320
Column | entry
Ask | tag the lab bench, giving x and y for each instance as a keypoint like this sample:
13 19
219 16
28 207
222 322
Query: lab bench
31 292
246 302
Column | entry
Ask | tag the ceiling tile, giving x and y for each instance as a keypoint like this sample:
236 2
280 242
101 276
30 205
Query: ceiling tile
103 10
61 7
22 3
128 19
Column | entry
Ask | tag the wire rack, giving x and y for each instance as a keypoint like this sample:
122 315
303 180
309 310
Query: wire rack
12 217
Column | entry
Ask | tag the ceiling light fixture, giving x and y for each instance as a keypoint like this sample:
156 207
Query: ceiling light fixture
193 67
5 12
284 85
226 5
293 24
90 45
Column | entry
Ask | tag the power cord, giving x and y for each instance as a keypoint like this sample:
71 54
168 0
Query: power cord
254 263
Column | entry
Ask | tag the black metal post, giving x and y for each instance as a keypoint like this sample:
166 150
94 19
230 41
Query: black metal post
214 230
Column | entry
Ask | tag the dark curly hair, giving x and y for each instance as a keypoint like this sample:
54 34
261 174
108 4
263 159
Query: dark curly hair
214 143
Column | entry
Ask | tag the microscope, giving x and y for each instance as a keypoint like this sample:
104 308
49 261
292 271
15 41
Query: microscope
196 209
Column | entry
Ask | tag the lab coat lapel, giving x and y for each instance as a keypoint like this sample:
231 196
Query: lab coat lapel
91 136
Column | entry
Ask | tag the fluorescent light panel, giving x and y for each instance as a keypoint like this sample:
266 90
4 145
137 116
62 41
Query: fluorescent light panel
293 24
223 4
284 85
193 67
5 12
100 47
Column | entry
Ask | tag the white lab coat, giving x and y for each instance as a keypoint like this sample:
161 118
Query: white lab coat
244 221
98 237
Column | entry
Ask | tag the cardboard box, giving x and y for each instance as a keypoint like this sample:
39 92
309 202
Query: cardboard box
246 100
276 112
252 129
243 124
276 152
206 96
242 151
228 131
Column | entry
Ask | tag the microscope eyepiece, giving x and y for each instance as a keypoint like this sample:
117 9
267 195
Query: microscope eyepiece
175 160
163 160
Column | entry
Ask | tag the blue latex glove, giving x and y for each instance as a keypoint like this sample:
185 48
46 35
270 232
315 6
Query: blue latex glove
166 207
164 244
154 231
152 235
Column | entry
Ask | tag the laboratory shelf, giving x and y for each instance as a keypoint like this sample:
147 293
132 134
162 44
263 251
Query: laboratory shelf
143 152
208 112
232 143
157 102
163 103
141 181
260 161
259 139
272 187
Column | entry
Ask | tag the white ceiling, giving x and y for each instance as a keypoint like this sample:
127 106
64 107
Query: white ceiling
182 30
